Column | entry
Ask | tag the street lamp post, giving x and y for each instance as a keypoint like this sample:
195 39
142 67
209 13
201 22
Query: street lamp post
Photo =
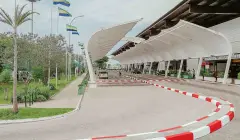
32 1
69 39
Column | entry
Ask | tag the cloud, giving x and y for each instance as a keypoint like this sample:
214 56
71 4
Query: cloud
97 14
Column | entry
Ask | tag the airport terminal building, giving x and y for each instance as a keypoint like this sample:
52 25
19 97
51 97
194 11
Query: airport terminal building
196 36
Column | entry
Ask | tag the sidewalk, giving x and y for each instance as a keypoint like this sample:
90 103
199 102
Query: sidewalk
66 98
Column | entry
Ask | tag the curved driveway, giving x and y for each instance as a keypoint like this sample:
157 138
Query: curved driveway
115 111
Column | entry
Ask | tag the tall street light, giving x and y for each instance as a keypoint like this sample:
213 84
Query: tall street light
70 45
32 1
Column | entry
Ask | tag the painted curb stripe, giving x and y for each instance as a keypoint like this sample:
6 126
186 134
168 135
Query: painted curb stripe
109 137
169 129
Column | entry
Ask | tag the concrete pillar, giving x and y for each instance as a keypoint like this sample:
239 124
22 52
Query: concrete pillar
166 72
199 68
180 69
150 68
159 65
92 82
143 68
227 68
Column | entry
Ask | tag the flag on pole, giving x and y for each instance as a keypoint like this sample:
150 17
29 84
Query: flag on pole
71 28
62 2
63 12
75 33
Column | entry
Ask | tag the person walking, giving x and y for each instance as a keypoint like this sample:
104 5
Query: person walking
193 73
215 75
120 74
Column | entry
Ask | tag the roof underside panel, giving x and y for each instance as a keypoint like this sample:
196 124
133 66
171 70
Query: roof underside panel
200 12
183 41
104 40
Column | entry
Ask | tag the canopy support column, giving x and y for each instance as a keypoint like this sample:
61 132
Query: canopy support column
92 82
150 68
227 68
159 65
143 68
199 68
166 72
180 69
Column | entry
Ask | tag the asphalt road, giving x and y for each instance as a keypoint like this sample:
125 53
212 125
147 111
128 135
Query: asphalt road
228 92
115 111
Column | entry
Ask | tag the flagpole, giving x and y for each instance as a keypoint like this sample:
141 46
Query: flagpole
49 51
57 22
69 36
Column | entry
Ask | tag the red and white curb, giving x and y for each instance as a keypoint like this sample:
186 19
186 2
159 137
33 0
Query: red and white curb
188 135
163 80
118 81
167 80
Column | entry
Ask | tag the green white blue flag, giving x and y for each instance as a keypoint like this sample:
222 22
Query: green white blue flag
71 28
63 12
61 2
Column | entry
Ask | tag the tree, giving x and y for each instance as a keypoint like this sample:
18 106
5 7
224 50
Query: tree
19 18
5 78
6 50
101 63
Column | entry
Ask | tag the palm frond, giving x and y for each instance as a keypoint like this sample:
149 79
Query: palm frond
5 17
24 20
4 21
19 11
23 16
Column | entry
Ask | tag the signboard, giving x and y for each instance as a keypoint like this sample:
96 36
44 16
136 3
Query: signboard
223 57
236 61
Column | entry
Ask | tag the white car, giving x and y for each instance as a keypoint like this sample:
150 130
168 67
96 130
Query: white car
103 75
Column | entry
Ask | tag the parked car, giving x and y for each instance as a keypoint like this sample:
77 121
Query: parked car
103 75
136 71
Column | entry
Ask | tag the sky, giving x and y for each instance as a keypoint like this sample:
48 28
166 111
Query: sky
97 14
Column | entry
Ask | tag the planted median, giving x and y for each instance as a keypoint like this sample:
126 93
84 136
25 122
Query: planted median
26 113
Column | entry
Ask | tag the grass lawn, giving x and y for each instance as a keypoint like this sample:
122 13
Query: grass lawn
61 84
25 113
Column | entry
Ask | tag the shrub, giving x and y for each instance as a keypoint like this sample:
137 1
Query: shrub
45 92
52 87
41 98
239 75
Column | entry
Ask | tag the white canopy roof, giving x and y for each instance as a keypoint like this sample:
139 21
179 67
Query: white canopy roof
104 40
184 40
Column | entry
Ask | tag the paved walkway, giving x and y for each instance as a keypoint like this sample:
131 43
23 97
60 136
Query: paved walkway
66 98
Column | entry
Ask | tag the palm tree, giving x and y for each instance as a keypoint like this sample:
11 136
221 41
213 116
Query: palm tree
19 18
